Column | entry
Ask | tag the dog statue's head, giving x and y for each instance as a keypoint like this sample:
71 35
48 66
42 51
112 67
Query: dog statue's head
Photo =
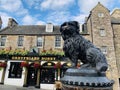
69 29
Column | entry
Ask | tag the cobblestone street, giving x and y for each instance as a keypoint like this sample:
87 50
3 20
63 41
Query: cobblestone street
9 87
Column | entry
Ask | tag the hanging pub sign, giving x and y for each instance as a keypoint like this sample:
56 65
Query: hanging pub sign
25 58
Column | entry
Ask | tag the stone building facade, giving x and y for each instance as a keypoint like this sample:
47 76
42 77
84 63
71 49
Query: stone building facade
100 27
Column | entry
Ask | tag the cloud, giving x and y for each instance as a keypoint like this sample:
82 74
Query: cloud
56 4
33 3
87 6
40 23
4 18
58 17
11 6
80 18
30 20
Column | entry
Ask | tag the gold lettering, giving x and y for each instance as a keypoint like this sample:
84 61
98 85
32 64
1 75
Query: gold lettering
12 57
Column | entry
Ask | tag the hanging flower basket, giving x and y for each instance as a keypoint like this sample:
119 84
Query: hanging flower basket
24 64
3 64
36 65
58 65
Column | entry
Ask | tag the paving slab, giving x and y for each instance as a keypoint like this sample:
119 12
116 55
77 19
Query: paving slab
10 87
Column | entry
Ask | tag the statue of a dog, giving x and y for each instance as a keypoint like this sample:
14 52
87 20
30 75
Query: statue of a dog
77 47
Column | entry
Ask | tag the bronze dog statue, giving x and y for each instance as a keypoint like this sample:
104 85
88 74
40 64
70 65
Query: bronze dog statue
77 47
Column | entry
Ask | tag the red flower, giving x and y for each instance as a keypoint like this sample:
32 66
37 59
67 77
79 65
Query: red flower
24 64
3 64
36 65
58 65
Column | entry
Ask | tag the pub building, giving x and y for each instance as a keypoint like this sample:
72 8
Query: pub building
32 70
31 55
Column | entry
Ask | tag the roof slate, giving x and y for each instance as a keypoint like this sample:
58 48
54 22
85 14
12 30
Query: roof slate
29 30
115 20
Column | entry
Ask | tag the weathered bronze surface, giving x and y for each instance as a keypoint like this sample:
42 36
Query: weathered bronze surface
91 75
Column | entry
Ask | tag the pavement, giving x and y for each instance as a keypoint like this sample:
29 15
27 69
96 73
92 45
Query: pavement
9 87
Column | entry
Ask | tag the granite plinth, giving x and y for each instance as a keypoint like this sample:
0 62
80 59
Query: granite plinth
86 78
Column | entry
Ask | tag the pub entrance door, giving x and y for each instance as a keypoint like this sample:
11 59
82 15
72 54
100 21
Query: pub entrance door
32 75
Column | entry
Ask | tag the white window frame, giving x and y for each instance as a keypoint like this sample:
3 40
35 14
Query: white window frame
49 27
102 32
3 41
58 41
41 41
20 41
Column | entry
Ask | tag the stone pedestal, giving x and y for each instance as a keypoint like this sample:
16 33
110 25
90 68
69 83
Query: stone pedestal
85 79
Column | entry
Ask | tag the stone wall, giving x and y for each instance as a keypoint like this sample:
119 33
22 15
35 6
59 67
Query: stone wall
116 28
116 31
104 22
31 41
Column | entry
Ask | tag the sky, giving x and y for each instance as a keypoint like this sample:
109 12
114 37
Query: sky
37 12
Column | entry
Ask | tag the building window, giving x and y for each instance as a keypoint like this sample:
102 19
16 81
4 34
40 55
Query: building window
39 41
104 49
2 40
20 40
57 41
49 27
100 14
102 32
15 70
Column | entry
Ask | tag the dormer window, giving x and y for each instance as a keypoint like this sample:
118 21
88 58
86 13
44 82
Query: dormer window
49 27
100 14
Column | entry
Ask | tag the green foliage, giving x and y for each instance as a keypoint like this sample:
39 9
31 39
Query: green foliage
51 52
13 52
25 52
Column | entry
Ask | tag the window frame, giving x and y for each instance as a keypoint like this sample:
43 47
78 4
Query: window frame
15 69
3 40
58 41
20 41
41 42
49 27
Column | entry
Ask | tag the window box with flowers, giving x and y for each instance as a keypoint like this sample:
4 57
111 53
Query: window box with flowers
3 64
24 64
4 53
58 65
51 52
36 65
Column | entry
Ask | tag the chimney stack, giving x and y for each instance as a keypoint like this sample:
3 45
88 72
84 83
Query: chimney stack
12 22
0 22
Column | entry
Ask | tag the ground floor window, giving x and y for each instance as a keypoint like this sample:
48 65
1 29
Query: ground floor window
47 75
15 70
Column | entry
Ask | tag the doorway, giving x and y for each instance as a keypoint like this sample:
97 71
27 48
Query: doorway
32 75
